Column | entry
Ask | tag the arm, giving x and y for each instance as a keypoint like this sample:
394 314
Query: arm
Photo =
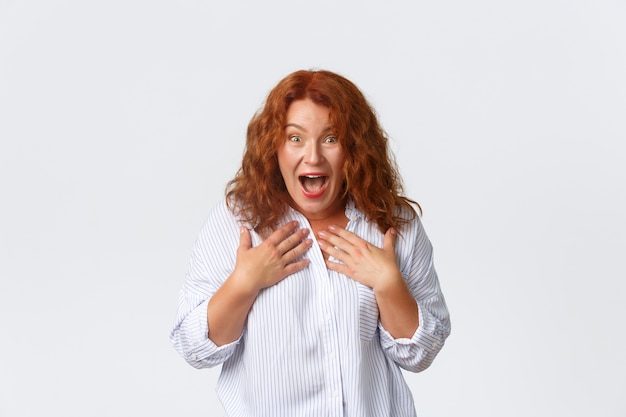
377 269
212 270
256 268
415 258
414 320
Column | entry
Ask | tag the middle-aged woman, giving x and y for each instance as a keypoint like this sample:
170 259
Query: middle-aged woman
313 281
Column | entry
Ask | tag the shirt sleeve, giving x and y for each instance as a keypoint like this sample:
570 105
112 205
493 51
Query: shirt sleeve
417 353
212 261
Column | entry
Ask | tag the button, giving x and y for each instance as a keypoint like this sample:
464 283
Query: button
335 393
434 344
331 356
193 356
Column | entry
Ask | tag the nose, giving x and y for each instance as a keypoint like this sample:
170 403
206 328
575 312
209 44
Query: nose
313 154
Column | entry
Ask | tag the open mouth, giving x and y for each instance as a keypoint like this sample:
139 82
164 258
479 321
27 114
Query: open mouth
313 185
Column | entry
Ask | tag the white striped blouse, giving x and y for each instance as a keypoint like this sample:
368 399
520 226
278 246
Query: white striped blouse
313 344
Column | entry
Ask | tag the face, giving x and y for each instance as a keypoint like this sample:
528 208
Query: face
311 161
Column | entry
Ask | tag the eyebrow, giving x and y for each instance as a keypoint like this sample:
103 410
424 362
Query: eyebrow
297 126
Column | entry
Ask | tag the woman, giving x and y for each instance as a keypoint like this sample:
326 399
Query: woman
313 282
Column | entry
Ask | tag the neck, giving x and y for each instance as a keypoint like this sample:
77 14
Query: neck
338 219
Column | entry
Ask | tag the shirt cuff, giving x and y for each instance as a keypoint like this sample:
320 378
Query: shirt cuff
204 351
426 336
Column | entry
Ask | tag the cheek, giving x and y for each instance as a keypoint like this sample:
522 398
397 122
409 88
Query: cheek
287 166
338 162
282 158
286 155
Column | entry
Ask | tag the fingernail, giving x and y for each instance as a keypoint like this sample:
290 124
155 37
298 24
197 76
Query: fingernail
332 227
321 234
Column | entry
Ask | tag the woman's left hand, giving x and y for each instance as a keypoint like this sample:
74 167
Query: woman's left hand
361 261
376 268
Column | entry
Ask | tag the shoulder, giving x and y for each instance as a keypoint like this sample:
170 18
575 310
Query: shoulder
412 233
220 222
408 212
220 212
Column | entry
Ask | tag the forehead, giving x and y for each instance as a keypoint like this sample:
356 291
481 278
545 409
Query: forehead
306 112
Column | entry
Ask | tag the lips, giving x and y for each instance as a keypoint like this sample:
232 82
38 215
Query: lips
313 185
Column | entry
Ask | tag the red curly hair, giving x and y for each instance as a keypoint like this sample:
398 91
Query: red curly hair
258 194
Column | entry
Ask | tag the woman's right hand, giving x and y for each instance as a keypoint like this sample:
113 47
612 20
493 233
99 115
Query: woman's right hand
255 268
273 260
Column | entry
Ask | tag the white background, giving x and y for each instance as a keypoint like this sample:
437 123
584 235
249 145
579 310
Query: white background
122 121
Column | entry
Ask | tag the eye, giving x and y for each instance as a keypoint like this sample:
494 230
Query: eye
330 139
295 138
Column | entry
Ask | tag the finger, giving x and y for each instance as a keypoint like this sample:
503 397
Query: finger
357 246
389 240
296 266
333 251
294 253
245 240
282 232
330 242
292 240
349 237
339 267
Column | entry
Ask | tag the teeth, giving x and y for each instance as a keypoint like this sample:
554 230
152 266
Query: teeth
313 183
